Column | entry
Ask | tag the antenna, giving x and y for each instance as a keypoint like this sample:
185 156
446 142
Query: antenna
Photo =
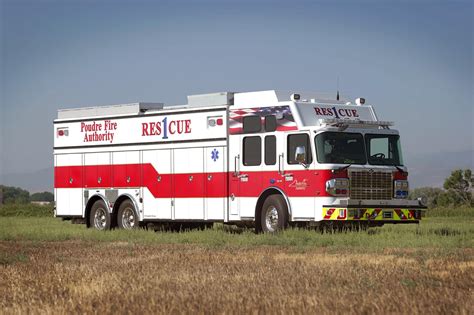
337 96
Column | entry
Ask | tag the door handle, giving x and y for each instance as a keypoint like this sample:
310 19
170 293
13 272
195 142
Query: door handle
236 158
280 164
243 177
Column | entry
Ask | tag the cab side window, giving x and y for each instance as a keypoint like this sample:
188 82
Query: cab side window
295 141
270 150
252 152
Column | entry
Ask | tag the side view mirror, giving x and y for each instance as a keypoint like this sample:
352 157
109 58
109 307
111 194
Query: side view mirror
300 156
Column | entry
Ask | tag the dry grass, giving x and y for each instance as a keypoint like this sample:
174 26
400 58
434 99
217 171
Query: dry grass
90 277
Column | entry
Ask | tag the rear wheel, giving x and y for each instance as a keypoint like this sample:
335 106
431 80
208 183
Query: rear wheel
100 217
274 214
127 217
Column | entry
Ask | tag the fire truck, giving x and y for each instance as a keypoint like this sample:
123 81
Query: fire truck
266 159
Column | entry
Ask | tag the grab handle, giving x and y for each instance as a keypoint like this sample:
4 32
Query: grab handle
236 158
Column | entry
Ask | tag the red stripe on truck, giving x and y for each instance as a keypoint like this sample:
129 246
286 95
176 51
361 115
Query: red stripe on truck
301 183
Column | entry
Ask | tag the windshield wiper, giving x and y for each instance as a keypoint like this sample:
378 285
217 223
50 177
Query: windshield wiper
341 168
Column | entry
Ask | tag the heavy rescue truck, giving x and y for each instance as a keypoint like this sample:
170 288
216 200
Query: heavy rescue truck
265 159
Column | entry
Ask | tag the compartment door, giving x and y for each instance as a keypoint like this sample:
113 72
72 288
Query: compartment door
126 169
68 183
157 182
215 182
188 183
97 170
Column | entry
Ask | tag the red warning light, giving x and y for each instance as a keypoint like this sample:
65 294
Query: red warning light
61 133
220 122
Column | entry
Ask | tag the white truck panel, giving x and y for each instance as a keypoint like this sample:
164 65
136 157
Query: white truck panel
159 206
69 201
189 163
215 165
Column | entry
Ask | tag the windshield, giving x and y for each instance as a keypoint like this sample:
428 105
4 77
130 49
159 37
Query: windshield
383 149
351 148
339 147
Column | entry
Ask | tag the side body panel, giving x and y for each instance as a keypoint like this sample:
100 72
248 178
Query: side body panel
215 164
158 184
188 183
69 176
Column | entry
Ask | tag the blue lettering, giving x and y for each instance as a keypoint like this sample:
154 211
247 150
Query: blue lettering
165 129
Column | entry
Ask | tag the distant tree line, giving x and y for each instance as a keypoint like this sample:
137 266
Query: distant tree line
10 195
457 191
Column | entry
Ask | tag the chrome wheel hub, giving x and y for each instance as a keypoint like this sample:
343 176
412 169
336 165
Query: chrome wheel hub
128 218
100 219
271 219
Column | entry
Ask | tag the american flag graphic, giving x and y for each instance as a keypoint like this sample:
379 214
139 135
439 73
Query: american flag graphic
284 117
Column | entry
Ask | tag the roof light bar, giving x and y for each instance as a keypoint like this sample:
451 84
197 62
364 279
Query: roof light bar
337 121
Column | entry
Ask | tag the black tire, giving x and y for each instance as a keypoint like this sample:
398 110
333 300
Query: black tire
127 217
274 215
100 218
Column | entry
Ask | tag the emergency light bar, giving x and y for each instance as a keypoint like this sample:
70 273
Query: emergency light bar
342 122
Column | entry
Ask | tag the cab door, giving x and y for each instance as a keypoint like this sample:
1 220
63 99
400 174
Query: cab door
250 175
299 174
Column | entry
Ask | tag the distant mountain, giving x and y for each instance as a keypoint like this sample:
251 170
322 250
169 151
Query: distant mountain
425 170
38 181
432 169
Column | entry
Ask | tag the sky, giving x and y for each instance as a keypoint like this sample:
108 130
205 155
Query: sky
412 60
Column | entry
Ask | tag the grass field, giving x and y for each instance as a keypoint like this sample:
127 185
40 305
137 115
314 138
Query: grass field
51 266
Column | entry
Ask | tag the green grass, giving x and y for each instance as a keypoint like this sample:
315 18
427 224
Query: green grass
462 211
443 233
26 210
442 228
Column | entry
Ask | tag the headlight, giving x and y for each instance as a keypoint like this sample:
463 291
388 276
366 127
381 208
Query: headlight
338 187
400 189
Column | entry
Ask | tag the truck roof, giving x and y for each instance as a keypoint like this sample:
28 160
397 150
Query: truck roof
108 110
304 102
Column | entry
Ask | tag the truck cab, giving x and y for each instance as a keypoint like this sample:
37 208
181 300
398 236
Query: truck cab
334 162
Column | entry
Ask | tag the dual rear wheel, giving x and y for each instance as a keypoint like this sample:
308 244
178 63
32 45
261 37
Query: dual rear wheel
101 219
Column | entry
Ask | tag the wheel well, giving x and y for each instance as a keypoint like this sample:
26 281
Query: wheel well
261 200
90 202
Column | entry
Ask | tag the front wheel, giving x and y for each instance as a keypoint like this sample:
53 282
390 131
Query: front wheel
127 217
274 214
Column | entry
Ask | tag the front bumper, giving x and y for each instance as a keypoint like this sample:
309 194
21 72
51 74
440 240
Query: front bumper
383 211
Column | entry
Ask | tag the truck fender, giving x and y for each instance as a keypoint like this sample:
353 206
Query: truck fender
269 191
121 198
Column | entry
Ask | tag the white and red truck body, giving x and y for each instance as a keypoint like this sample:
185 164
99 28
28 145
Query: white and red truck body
220 156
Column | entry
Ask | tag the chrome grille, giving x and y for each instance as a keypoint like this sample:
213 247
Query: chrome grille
371 185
